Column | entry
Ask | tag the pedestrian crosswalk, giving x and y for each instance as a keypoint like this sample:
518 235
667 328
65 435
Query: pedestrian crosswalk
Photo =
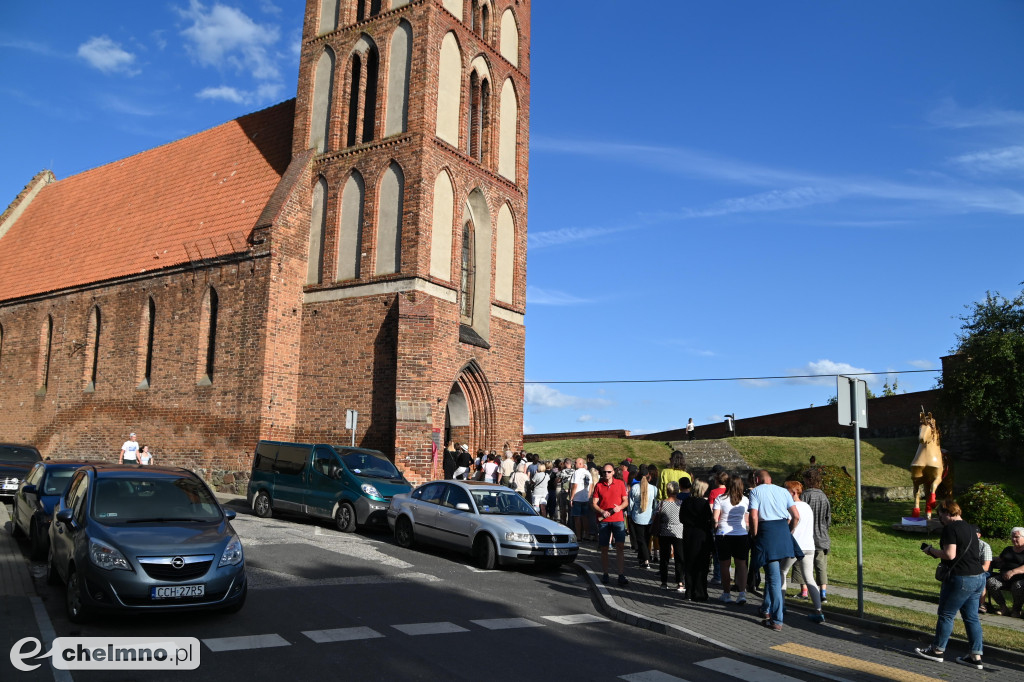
217 644
722 667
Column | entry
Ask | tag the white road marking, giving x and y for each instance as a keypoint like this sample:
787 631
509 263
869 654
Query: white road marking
341 635
744 671
653 676
474 569
507 623
576 619
441 628
245 642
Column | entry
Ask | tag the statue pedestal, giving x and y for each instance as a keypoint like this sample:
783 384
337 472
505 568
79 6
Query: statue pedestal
917 525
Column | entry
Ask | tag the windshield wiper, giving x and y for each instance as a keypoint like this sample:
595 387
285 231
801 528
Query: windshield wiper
165 520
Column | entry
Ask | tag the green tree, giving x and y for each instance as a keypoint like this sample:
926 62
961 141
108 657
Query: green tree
986 378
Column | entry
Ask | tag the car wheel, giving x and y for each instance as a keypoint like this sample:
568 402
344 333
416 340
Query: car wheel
261 506
345 518
73 603
37 542
486 553
52 576
403 532
237 606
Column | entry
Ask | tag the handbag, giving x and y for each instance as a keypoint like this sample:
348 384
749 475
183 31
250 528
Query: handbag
944 572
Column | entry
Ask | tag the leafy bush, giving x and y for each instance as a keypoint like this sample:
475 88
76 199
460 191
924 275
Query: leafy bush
840 489
991 507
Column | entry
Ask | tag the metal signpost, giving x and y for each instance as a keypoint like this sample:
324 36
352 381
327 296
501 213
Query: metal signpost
852 401
351 417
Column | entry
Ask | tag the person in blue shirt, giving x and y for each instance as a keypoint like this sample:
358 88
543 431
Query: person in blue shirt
773 515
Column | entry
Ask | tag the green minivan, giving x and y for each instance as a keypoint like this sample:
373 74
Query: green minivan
353 486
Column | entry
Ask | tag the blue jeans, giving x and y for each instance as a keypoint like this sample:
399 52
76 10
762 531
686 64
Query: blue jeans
774 602
960 593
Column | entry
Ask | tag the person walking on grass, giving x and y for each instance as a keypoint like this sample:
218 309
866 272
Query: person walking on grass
610 499
960 554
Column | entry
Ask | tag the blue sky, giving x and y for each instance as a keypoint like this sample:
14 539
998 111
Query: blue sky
742 189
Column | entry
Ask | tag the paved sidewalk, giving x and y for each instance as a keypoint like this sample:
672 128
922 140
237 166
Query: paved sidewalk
841 649
20 608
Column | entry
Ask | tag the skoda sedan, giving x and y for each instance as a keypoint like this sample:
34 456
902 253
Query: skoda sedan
491 522
127 538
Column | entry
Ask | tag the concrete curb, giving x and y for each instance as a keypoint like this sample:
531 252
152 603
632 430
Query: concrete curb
605 603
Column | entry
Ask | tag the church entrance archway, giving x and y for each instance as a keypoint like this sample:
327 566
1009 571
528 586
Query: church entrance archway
469 417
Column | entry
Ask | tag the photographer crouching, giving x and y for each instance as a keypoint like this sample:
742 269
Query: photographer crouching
962 579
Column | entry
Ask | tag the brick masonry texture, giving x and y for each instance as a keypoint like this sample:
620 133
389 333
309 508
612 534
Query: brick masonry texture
288 364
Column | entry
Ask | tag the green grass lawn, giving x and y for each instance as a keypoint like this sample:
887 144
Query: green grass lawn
605 450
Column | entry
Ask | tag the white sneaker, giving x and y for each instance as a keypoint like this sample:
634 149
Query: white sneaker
726 598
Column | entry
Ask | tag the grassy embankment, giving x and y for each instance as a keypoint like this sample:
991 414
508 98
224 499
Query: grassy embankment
893 563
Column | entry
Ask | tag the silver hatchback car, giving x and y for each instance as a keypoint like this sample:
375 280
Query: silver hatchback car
491 522
128 538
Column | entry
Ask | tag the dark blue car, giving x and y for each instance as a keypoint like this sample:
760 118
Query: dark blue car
33 502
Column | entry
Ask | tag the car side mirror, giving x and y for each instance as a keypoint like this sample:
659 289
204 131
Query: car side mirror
462 506
30 489
67 517
230 514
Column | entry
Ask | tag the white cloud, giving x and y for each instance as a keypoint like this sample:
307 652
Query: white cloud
537 296
827 369
565 235
584 418
774 200
104 54
949 114
540 395
30 46
123 106
224 92
227 39
922 364
1006 159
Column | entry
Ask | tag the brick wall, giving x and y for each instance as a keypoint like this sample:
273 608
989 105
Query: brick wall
573 435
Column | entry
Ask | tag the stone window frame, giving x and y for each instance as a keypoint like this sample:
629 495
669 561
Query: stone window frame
45 355
147 340
93 332
362 67
209 312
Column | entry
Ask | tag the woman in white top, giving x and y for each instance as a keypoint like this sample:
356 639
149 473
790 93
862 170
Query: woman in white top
804 536
730 513
145 456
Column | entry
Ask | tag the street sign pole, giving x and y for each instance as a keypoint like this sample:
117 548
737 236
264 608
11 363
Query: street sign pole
351 419
854 411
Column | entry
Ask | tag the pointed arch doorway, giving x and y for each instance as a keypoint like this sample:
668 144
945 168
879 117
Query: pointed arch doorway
469 414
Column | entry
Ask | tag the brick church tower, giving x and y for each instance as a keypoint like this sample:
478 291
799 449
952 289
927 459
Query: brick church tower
415 114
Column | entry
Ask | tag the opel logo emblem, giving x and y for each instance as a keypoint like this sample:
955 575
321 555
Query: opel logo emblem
177 562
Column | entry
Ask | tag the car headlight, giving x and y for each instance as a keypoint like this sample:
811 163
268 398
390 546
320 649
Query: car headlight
372 491
106 557
232 553
519 537
572 538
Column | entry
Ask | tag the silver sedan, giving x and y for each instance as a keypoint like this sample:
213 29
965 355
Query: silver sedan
491 522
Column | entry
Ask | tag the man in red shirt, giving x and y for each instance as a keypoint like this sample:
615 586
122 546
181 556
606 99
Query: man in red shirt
609 500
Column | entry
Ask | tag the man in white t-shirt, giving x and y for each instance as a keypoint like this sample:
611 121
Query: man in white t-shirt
581 484
129 451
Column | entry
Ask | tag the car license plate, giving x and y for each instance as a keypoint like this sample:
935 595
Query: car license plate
177 591
557 552
10 486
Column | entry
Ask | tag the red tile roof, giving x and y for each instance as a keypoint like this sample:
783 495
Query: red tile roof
188 200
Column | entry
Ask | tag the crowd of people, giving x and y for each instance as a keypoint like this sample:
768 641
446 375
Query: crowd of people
737 528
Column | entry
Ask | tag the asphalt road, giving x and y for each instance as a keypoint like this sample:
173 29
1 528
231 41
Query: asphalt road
328 605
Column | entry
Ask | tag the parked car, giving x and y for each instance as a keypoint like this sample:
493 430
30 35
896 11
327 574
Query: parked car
32 508
128 538
491 522
15 462
352 486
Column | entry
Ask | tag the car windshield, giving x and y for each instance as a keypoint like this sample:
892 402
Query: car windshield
508 502
56 481
374 466
142 499
16 455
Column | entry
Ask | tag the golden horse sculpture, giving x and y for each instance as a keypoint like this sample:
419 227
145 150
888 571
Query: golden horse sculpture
930 468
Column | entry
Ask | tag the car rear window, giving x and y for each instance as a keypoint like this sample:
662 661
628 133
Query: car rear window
13 453
142 499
